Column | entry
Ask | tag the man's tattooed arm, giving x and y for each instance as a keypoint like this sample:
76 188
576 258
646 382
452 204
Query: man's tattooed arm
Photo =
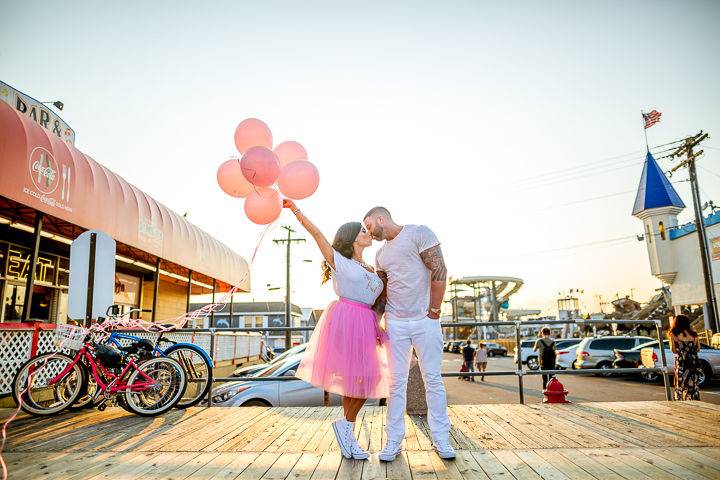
434 261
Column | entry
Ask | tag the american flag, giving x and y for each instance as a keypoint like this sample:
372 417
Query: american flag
651 118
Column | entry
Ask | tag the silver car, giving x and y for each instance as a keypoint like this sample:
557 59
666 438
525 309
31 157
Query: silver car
274 393
249 370
709 359
597 352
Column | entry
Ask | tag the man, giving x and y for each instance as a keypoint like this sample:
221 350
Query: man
411 265
468 356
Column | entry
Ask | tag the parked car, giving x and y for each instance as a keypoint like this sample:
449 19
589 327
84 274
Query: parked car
527 355
456 346
249 370
566 352
596 352
632 359
709 360
278 393
495 349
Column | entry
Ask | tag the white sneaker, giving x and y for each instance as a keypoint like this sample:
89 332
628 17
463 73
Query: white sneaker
340 427
356 450
444 449
392 449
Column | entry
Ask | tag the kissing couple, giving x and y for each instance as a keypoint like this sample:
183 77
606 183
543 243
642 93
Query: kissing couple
351 355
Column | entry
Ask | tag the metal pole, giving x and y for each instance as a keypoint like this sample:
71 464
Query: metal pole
519 373
702 239
212 312
495 311
232 305
212 357
91 280
156 289
30 280
663 360
189 292
288 336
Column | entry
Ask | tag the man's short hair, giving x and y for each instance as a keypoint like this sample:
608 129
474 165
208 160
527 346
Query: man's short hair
378 211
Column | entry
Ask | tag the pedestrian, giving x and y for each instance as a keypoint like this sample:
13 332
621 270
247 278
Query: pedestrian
468 359
685 344
346 353
545 346
481 357
412 265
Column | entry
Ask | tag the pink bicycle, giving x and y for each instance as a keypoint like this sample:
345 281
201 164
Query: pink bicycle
141 383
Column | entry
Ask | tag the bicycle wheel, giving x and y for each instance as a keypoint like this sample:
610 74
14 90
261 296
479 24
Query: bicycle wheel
88 397
32 390
168 388
197 369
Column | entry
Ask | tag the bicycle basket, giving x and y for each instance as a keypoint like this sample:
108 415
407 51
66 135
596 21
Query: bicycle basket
70 337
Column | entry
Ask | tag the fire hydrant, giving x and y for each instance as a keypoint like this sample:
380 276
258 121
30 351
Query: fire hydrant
555 392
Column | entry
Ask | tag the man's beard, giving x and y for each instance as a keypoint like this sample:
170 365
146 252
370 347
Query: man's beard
379 233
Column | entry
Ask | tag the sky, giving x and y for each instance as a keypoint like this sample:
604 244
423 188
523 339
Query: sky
512 130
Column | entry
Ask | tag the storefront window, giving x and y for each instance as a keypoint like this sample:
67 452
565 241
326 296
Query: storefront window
18 264
64 272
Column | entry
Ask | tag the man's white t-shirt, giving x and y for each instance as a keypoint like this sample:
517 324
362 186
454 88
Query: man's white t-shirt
408 288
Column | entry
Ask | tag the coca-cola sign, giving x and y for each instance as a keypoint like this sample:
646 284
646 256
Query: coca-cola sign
44 170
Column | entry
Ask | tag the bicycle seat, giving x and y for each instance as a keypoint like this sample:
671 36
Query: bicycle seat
163 327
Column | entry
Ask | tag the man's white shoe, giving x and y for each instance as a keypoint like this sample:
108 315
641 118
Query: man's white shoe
392 449
444 449
340 427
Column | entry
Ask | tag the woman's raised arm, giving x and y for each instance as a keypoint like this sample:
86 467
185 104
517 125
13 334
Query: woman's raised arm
325 248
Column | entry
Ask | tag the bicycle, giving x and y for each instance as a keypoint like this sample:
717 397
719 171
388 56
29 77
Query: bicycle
197 363
142 384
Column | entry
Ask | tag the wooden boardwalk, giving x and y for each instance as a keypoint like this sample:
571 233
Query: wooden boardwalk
624 440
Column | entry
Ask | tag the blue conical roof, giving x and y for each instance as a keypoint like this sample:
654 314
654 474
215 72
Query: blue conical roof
655 190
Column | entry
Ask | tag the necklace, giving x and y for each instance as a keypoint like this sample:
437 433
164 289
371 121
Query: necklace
363 264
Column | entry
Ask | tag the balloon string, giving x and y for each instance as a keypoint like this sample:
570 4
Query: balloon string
101 331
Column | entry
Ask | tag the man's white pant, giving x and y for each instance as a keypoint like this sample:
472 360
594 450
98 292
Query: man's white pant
426 337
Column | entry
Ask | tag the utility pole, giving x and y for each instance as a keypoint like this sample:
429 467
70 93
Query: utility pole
288 241
689 162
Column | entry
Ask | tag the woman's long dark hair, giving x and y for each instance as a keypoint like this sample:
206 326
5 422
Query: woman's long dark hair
682 324
343 243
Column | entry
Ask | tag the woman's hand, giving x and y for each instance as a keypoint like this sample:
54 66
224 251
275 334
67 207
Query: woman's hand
287 203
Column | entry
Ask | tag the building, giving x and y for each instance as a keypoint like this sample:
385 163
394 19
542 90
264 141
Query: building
673 250
257 315
50 192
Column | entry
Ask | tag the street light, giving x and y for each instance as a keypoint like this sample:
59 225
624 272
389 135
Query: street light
57 104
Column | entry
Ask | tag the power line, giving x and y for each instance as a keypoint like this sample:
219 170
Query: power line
569 247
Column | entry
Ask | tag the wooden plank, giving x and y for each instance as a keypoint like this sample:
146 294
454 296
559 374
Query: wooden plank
374 469
609 458
650 456
305 466
350 469
490 464
567 467
468 467
689 462
445 469
399 469
328 466
239 463
238 429
648 468
515 465
282 466
315 431
420 465
259 466
543 468
709 455
282 430
589 464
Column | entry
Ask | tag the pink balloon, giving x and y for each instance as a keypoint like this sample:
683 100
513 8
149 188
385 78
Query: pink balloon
231 179
263 206
252 132
290 151
260 166
299 179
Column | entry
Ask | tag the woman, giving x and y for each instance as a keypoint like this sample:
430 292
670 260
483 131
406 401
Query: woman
345 354
685 344
545 346
481 359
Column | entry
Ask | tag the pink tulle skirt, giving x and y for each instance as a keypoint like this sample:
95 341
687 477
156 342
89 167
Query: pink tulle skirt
344 356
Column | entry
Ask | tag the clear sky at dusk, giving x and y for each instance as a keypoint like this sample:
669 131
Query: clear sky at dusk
513 130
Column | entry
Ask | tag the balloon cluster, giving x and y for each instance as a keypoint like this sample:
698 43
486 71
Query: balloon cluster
254 175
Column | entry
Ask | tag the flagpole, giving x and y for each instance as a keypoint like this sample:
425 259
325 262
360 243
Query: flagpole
642 115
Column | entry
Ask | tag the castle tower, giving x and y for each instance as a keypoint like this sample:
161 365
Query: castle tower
657 204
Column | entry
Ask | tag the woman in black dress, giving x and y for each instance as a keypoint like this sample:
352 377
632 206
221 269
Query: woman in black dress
685 344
